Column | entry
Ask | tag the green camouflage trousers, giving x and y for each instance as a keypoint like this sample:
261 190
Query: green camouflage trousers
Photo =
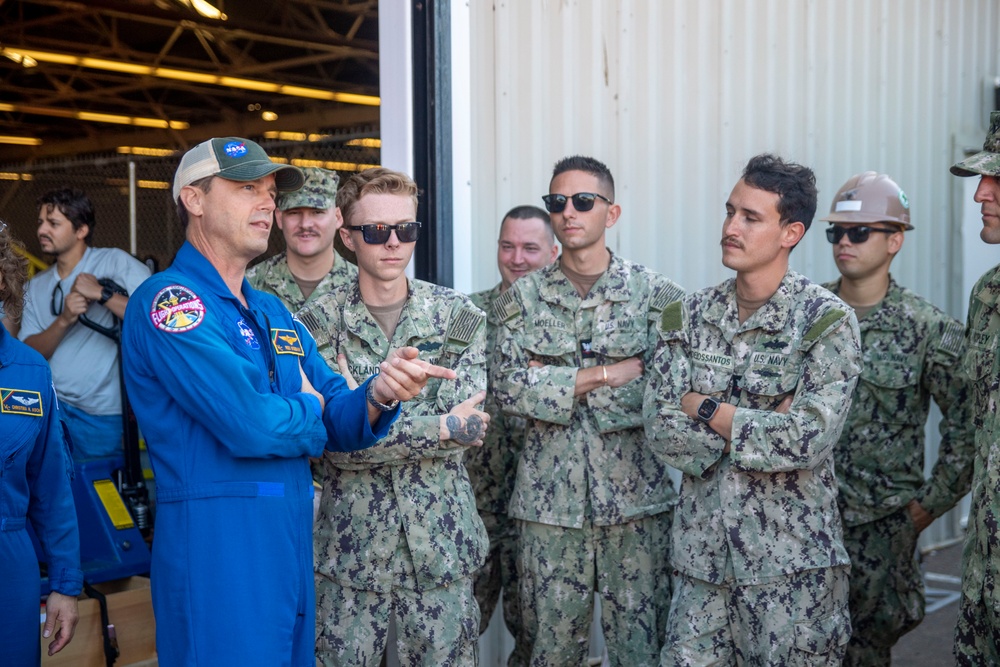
977 634
887 589
500 573
560 569
435 627
801 619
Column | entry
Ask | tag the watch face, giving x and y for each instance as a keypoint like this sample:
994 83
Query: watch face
707 409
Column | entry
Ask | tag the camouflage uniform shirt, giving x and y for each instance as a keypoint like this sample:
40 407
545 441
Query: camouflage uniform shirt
911 352
768 508
981 559
410 484
492 466
272 276
585 458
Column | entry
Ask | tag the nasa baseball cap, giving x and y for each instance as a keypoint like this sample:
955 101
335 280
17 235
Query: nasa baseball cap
319 191
987 161
234 159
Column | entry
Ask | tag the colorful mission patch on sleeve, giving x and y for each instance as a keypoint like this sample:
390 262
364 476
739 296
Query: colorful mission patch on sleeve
286 341
21 402
177 309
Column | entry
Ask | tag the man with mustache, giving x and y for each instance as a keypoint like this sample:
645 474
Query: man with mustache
591 503
912 353
977 637
84 362
310 266
747 396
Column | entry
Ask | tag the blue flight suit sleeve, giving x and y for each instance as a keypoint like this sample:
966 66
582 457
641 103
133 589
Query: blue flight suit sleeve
50 508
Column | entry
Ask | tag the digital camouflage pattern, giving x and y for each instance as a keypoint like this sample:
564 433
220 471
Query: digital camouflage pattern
491 471
273 276
410 486
585 464
319 191
887 587
799 619
987 161
976 638
584 460
355 629
768 508
911 352
627 564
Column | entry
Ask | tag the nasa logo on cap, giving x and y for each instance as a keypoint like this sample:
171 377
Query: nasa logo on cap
235 149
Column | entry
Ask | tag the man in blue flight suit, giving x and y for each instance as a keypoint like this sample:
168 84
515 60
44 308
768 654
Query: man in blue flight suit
34 487
233 399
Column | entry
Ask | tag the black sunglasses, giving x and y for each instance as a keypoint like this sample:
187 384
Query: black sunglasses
56 304
835 233
406 232
582 201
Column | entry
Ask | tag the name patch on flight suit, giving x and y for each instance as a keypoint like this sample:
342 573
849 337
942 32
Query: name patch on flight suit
176 309
715 359
21 402
286 341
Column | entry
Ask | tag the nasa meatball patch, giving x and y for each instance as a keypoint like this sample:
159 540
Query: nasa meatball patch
21 402
177 309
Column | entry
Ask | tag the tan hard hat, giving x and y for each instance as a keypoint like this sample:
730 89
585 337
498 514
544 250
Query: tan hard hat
870 197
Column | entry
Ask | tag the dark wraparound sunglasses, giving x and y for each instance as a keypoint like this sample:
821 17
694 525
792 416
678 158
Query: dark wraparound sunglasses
582 201
406 232
860 234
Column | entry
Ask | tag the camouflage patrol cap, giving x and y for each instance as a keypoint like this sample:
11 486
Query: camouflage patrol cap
987 161
319 191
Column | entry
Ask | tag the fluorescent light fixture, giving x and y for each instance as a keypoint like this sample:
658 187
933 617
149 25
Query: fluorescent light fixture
192 76
20 58
269 115
366 142
143 150
331 164
138 121
20 141
142 183
14 176
205 9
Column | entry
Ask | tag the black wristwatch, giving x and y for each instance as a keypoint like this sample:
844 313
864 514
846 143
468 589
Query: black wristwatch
106 293
708 408
383 407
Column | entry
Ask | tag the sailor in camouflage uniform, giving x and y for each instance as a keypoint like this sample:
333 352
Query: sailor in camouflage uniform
526 243
977 637
309 267
912 352
592 503
397 536
747 395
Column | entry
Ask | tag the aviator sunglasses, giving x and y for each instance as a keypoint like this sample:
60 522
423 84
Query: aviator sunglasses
582 201
406 232
835 233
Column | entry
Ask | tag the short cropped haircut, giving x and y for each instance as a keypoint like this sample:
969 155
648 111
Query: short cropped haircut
590 166
529 212
203 184
14 269
75 205
794 184
374 181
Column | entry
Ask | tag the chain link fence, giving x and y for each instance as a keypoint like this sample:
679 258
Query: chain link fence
107 179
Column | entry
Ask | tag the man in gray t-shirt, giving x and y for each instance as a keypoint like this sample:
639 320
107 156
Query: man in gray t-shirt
84 362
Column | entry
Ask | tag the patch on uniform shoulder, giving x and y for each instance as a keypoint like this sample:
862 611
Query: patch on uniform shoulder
465 325
309 320
951 339
664 295
672 318
824 323
506 306
177 309
21 402
286 341
249 337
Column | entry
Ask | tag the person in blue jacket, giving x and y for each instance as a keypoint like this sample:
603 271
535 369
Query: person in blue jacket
34 486
233 399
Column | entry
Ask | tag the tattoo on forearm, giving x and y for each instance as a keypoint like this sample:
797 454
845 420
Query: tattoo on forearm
468 433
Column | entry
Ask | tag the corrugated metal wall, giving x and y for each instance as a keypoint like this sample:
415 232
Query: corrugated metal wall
676 95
